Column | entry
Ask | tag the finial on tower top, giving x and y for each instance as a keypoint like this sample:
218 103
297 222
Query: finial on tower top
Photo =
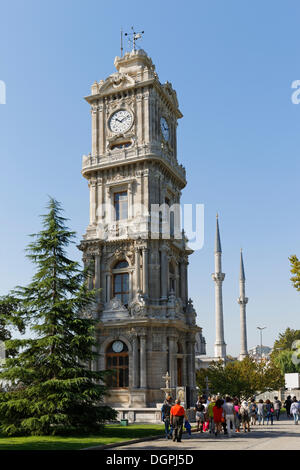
133 37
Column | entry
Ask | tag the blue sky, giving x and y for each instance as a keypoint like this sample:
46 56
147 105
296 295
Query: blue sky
232 64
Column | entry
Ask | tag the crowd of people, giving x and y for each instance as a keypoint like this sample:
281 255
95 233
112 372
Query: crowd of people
228 415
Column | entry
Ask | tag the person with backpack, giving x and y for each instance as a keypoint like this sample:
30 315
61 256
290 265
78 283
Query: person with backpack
261 412
166 416
277 407
245 414
295 410
253 412
269 411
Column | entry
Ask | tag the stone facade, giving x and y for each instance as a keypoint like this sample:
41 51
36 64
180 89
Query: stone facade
152 317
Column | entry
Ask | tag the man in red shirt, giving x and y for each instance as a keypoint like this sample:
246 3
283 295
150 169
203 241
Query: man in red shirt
177 416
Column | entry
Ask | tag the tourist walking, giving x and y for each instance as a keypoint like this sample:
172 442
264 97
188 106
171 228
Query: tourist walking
287 405
253 412
261 412
295 410
218 416
211 415
229 413
237 416
269 411
200 409
166 416
277 407
245 414
177 417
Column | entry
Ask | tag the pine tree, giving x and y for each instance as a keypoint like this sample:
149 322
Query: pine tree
50 389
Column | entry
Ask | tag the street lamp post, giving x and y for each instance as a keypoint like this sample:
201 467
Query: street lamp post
260 328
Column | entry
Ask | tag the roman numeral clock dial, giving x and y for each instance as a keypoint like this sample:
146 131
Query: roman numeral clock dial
120 121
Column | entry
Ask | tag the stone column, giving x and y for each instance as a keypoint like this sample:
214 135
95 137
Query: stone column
172 360
108 206
184 364
131 271
98 274
88 263
99 201
145 272
130 201
93 202
143 361
108 287
193 360
182 283
186 282
137 270
139 125
190 364
164 274
101 137
146 126
94 111
135 362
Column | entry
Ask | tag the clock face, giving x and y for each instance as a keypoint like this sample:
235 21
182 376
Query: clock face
117 346
164 128
120 121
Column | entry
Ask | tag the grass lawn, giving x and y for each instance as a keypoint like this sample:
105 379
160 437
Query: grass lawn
111 434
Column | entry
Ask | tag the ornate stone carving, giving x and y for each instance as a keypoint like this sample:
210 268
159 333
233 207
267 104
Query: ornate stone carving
116 304
114 82
138 306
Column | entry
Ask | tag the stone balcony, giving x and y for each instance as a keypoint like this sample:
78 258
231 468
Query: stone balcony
133 154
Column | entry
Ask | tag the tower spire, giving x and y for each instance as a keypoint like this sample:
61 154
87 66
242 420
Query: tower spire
242 270
218 248
218 278
243 300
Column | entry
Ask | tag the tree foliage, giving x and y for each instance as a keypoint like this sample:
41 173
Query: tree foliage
285 362
295 270
50 389
242 379
283 354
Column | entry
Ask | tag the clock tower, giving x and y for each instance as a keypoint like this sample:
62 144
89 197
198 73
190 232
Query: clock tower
146 321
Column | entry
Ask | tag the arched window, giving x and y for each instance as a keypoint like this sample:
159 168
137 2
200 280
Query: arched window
121 281
118 361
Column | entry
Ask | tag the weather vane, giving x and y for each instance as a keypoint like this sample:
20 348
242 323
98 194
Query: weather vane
132 38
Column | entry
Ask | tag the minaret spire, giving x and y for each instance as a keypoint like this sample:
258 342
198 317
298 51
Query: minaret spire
218 277
242 300
218 248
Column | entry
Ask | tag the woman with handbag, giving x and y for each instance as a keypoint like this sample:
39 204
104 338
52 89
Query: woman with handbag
269 411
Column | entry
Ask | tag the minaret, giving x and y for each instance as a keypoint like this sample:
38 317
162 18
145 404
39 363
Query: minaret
242 300
218 277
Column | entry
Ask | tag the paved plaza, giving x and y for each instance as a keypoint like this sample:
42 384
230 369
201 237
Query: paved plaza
283 435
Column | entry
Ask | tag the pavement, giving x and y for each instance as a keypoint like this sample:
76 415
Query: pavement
283 435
